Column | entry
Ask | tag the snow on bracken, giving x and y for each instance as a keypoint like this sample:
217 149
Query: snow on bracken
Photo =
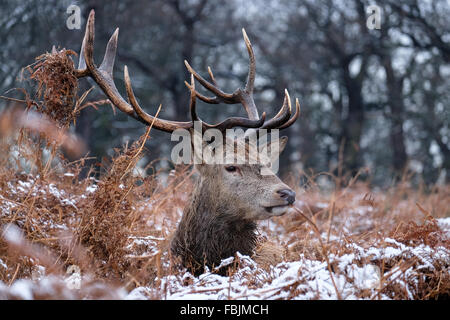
305 278
358 270
351 274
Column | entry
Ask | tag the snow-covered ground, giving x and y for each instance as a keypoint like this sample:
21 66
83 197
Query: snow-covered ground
309 279
356 270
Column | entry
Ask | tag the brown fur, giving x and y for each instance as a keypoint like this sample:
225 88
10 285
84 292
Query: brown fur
220 218
210 231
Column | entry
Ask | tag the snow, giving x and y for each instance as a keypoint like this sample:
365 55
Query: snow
444 224
32 188
6 205
91 188
351 271
140 293
21 289
12 234
2 264
303 278
309 279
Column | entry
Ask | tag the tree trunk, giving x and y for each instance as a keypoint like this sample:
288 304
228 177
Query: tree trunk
394 88
353 122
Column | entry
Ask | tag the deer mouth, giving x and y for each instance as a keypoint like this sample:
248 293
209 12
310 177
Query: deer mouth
278 210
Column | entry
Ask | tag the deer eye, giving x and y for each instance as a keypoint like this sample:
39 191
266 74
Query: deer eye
231 168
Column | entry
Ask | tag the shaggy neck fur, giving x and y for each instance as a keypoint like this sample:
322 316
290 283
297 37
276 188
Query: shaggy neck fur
211 229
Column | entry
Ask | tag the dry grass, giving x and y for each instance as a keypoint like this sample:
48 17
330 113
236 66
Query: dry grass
108 233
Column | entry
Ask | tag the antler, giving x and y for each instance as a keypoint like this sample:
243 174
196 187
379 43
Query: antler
103 76
245 96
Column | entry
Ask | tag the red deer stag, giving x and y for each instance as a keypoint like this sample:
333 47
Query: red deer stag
229 198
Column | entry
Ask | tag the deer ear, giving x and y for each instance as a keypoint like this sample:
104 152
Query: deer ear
282 142
273 149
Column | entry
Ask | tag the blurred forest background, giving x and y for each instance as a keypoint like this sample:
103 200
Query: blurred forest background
377 99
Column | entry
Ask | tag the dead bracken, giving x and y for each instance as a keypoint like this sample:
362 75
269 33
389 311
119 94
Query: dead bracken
57 85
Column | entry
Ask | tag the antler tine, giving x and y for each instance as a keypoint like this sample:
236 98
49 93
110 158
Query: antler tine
294 118
227 123
81 61
237 122
245 96
211 75
110 54
249 86
88 41
210 100
193 100
230 98
82 70
282 116
103 76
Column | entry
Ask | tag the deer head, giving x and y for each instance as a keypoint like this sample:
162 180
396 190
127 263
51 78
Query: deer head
229 196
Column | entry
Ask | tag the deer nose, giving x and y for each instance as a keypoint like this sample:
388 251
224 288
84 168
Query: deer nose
287 194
